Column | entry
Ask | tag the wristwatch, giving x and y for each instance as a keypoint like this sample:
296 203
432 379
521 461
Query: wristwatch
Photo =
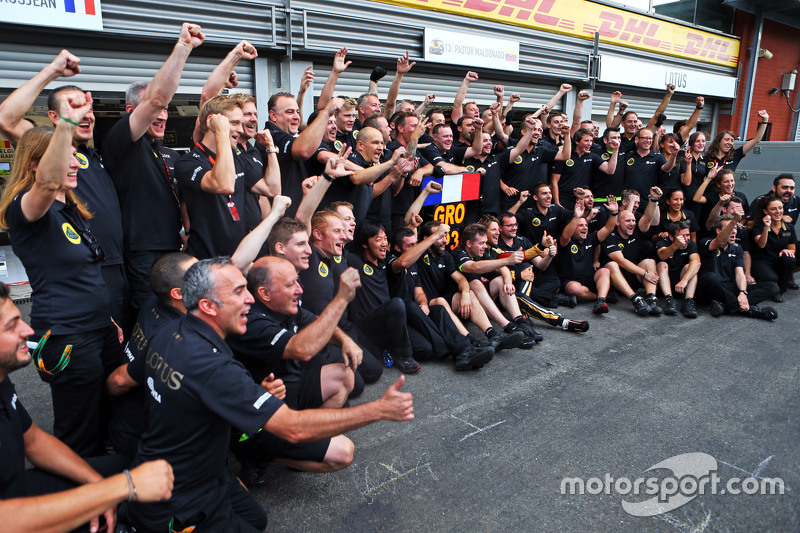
744 291
272 150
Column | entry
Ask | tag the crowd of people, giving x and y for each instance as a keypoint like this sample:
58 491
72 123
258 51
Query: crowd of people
236 298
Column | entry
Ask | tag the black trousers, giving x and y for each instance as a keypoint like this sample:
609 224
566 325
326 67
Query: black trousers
81 404
385 328
778 270
433 336
712 286
528 306
117 283
137 268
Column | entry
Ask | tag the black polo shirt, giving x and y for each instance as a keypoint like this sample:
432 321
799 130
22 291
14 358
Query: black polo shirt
261 348
128 418
97 191
699 170
320 280
672 179
721 261
503 248
343 189
213 231
633 247
435 275
642 172
679 258
374 290
575 172
292 172
252 162
738 155
603 184
526 170
790 208
151 215
190 379
433 154
345 138
69 295
533 224
776 242
576 259
626 144
403 200
313 165
380 208
461 256
14 422
403 283
664 223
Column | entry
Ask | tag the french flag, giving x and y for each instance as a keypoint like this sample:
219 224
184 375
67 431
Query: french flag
455 188
81 7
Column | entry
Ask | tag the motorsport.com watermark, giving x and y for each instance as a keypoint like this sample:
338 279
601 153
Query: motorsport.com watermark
693 474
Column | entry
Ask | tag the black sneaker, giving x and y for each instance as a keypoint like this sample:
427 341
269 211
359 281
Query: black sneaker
480 342
779 298
640 306
717 309
652 302
764 313
502 341
255 475
669 305
792 284
527 328
580 326
600 306
688 309
407 365
569 301
473 358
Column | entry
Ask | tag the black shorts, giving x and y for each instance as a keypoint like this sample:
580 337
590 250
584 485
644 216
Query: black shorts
631 278
264 446
586 282
306 392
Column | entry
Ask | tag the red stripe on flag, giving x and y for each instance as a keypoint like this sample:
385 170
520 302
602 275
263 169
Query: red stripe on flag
5 144
470 187
90 7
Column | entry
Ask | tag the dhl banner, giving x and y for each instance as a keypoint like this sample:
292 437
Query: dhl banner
581 18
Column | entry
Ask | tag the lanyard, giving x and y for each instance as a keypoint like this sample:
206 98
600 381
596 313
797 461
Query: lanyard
231 205
167 175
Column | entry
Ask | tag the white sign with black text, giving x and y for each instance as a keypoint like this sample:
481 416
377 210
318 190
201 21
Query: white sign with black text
73 14
455 48
622 71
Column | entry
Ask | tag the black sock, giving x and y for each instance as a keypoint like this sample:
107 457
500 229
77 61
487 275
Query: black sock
489 331
471 338
601 298
519 320
508 328
633 296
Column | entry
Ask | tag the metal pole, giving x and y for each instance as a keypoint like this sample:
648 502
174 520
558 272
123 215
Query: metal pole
751 76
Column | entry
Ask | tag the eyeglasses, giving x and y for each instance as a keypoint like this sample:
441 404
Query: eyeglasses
94 246
510 225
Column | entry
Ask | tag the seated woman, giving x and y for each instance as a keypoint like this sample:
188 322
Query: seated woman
774 250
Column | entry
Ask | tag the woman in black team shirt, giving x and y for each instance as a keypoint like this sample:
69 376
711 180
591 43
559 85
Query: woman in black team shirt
70 313
723 189
774 250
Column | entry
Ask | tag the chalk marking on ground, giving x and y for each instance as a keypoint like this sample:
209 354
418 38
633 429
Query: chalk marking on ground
477 429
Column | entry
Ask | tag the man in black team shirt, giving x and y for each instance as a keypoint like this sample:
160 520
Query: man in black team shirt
435 331
642 165
284 121
290 343
319 281
63 491
345 119
190 375
143 170
627 253
94 187
440 152
381 319
678 265
214 183
722 279
576 266
576 172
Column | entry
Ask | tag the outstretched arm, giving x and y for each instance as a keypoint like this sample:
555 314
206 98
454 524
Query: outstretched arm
458 103
403 66
339 64
692 121
12 125
651 124
762 128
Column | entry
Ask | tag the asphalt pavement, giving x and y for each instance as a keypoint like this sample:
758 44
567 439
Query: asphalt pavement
489 450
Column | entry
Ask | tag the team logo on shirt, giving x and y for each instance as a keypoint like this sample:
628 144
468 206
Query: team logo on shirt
630 161
621 246
710 164
518 160
337 145
536 222
70 233
337 258
323 270
605 157
82 160
470 168
719 252
574 248
426 260
570 163
368 270
355 134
